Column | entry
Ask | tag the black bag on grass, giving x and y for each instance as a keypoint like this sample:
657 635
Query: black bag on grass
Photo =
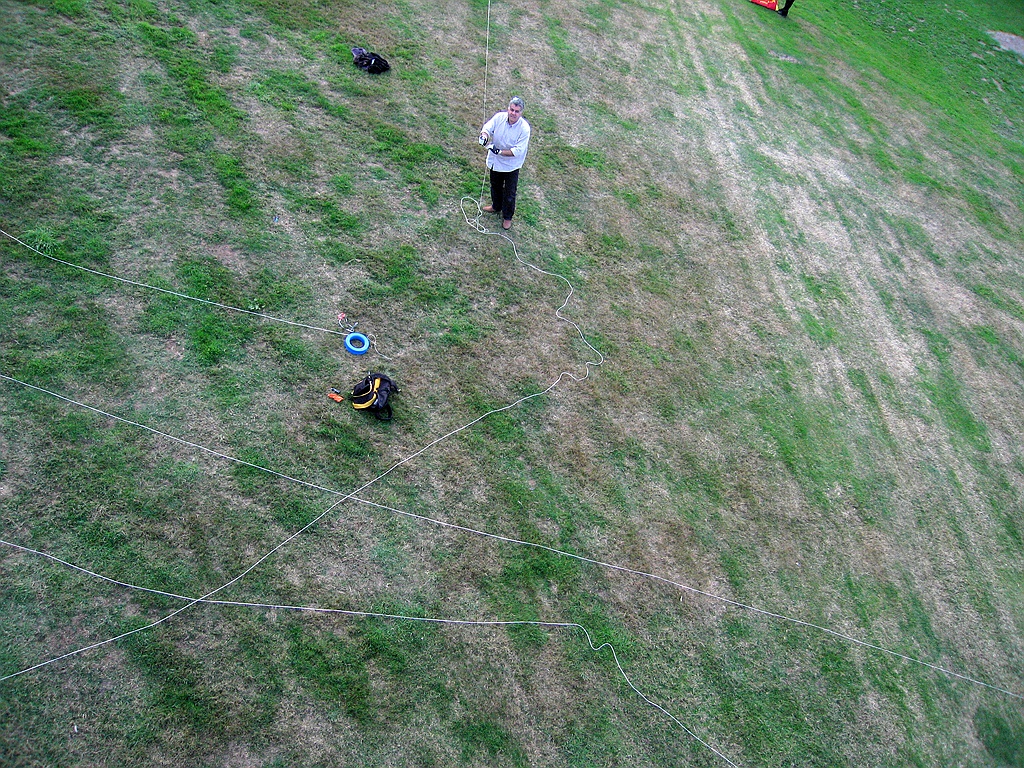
372 394
373 63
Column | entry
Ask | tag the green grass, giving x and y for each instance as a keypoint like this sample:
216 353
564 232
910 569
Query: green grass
484 738
1001 735
289 90
947 396
797 243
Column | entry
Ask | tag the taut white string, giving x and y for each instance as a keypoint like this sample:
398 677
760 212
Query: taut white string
147 286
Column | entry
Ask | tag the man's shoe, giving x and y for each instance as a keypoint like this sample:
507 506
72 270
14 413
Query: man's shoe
506 224
783 14
488 209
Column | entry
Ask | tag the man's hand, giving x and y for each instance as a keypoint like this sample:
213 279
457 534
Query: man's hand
495 150
483 138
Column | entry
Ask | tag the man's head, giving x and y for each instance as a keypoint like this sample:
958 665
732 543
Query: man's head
515 108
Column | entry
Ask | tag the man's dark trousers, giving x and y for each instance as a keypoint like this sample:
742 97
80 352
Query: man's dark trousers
503 191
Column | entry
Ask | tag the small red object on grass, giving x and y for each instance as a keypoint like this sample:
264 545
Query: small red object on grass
771 5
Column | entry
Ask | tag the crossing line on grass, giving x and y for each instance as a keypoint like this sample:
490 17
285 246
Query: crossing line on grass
357 614
353 496
147 286
192 601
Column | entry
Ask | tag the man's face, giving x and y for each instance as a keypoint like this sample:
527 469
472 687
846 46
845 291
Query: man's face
514 111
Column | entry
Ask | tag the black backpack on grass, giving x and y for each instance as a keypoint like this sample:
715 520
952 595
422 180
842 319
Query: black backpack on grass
372 394
369 61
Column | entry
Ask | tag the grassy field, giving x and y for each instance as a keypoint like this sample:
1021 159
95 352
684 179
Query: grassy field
798 244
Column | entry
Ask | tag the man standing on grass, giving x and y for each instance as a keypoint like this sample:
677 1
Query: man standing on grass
509 137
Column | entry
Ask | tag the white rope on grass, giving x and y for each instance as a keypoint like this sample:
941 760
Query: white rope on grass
498 623
166 435
487 56
268 554
367 615
475 223
218 454
691 590
137 284
353 496
331 507
91 574
226 457
373 343
283 476
172 614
